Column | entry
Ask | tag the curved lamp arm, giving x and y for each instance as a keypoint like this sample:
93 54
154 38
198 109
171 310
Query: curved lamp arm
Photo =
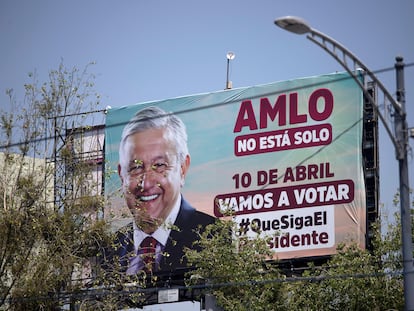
332 47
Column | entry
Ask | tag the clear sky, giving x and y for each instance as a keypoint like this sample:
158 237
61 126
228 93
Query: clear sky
149 50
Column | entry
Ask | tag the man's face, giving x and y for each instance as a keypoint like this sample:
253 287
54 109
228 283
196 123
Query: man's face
151 176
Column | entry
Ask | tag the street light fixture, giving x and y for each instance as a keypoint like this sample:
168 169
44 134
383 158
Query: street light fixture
298 25
230 56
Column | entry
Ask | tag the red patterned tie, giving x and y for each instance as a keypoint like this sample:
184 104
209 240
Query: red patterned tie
148 249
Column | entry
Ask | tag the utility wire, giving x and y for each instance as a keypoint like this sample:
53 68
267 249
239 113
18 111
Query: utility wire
94 294
215 105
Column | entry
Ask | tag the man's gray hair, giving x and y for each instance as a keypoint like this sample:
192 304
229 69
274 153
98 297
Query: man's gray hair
155 118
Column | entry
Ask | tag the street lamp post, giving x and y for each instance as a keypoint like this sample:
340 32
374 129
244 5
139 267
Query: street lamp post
230 56
399 140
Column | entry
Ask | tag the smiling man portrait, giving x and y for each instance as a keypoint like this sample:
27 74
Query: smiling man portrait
153 162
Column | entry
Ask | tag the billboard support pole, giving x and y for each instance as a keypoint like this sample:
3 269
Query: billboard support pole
400 139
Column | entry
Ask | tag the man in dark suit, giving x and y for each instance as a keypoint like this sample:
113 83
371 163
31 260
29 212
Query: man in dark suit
153 162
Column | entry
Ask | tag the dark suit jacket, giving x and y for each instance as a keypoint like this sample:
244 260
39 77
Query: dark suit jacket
183 234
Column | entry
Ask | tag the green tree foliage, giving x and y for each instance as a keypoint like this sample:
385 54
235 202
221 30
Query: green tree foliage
355 279
44 247
236 270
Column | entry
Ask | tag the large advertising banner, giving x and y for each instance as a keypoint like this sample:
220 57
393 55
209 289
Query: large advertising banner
284 157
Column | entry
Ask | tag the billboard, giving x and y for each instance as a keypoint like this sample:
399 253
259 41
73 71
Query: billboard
285 157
